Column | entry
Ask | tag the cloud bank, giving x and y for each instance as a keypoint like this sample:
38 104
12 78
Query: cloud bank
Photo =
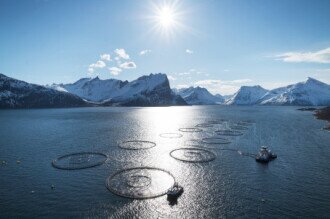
321 56
223 87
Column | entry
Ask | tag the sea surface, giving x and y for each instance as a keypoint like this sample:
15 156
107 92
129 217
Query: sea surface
233 185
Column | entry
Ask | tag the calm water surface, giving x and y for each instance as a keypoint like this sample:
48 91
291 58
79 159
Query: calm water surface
296 184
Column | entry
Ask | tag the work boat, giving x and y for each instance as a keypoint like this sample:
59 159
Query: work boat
265 155
175 191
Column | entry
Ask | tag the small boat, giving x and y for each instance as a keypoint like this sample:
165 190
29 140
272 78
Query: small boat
175 191
265 155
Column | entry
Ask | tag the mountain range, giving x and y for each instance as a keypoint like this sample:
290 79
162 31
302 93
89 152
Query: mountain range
308 93
152 90
199 96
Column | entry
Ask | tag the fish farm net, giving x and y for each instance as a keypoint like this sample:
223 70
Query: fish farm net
136 145
238 127
81 160
190 130
217 121
204 125
194 155
227 132
245 123
215 140
170 135
140 182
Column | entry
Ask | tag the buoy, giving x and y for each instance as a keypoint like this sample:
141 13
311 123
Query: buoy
263 200
18 161
4 162
32 192
53 186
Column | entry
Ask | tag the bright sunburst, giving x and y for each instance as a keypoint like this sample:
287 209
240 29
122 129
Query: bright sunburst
166 17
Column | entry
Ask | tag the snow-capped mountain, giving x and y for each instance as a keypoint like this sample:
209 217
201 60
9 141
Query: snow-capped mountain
93 89
310 93
19 94
199 96
150 90
247 95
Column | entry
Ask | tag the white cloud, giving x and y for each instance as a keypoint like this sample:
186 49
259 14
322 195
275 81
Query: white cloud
114 70
90 71
321 56
171 78
179 86
127 65
145 52
121 53
98 64
223 87
184 73
189 51
105 57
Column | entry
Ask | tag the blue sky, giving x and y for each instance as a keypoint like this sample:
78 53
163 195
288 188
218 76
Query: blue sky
217 44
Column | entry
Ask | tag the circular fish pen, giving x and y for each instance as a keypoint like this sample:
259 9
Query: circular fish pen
217 121
238 127
81 160
204 125
245 123
227 132
190 130
170 135
140 182
193 155
215 140
136 145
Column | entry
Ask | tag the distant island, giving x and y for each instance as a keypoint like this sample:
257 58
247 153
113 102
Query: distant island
152 90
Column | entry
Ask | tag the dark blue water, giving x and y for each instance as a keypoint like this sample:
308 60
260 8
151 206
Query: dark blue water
296 184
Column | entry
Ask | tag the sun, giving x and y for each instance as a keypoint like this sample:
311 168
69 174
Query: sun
166 17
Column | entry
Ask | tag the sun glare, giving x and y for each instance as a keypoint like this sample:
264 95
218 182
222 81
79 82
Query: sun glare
166 17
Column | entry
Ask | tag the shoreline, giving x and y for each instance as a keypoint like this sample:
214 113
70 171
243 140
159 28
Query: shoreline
324 114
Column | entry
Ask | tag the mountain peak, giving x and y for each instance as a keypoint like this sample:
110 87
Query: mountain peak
311 80
199 96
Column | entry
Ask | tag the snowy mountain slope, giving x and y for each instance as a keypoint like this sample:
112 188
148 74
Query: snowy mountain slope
150 90
310 92
19 94
93 89
227 97
247 95
199 96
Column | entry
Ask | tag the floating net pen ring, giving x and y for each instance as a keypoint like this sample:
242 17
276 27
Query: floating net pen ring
193 155
204 125
81 160
228 132
190 130
136 145
238 127
140 182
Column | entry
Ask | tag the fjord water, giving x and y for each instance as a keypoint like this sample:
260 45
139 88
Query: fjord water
296 184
